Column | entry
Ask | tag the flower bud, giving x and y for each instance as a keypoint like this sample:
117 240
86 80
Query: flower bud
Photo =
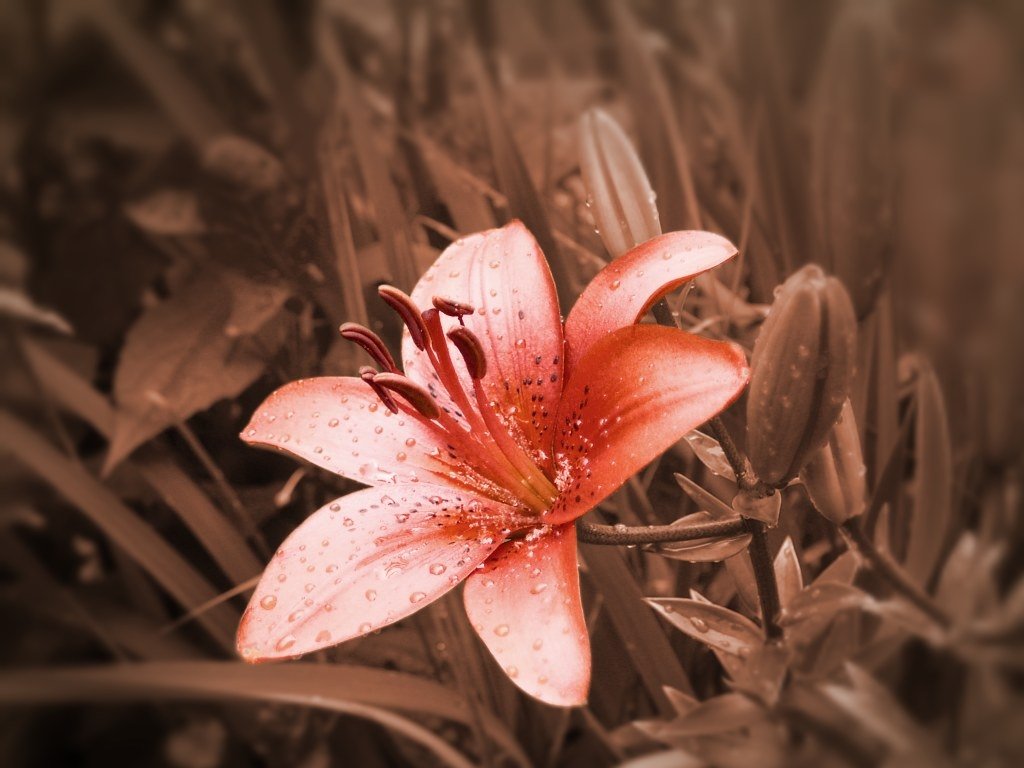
834 477
801 372
618 190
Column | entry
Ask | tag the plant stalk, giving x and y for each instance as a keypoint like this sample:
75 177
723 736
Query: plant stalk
891 572
592 533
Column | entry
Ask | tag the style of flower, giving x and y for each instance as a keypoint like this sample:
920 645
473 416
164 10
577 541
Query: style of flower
479 462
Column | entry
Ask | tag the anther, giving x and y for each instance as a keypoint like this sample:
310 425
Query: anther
417 395
371 342
367 374
471 349
451 307
408 311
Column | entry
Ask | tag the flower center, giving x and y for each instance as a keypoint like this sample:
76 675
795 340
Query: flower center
474 430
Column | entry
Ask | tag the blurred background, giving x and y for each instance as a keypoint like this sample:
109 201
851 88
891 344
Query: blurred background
194 195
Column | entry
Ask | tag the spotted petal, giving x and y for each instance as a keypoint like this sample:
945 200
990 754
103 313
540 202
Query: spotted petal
504 275
339 424
525 605
365 561
616 417
624 290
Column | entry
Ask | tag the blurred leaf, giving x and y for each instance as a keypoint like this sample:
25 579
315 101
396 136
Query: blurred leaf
17 306
852 160
933 474
242 162
168 212
874 708
710 624
190 351
357 691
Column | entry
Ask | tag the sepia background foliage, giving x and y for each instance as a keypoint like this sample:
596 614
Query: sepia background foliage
196 194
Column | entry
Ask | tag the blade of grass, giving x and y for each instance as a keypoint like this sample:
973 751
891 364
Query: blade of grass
649 650
120 523
357 691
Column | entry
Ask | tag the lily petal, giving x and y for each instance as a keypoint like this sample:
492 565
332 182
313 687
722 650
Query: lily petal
365 561
504 275
525 605
616 417
339 424
623 291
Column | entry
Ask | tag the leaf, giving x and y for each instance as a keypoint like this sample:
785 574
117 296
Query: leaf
787 572
168 212
823 601
16 305
872 706
190 351
709 550
706 500
711 624
933 473
359 691
243 162
710 454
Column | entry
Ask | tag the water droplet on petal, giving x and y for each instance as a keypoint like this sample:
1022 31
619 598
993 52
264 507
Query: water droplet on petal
437 569
699 624
417 597
268 602
323 636
371 595
501 630
285 643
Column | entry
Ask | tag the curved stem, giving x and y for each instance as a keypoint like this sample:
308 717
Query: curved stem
591 533
893 574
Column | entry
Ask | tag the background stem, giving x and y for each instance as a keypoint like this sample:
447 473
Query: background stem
591 533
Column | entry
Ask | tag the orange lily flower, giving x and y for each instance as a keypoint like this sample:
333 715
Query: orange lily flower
479 463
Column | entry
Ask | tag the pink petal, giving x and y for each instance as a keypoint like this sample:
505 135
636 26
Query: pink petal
525 605
504 275
624 290
615 418
365 561
339 424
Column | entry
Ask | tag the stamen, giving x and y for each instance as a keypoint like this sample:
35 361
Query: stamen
367 374
417 396
369 341
408 311
471 349
452 308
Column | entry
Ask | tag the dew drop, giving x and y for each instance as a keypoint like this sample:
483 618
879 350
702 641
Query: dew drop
371 595
536 589
268 602
285 643
417 597
512 672
400 456
365 627
501 630
309 588
615 284
323 636
699 624
295 615
437 569
332 423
